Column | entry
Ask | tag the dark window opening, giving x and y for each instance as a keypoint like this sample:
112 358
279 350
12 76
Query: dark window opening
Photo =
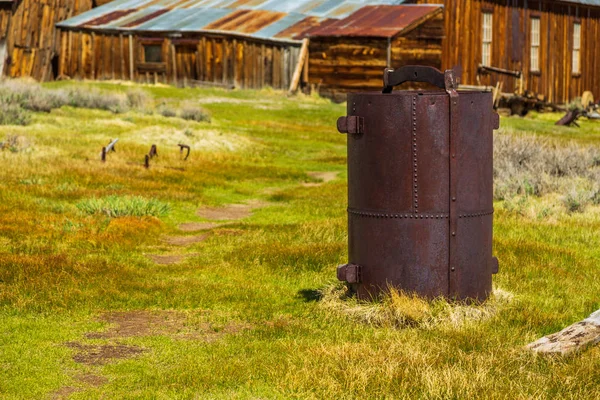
153 54
54 63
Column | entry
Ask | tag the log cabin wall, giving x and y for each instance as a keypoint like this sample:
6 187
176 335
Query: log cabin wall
421 45
339 65
186 61
28 27
511 45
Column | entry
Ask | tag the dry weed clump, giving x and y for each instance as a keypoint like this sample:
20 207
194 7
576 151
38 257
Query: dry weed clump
194 112
529 166
19 97
397 309
15 143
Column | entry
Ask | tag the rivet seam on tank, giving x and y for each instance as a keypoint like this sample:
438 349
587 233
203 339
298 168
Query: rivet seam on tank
417 216
414 144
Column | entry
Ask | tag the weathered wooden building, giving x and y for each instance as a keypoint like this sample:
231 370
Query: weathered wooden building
554 44
248 44
350 54
28 36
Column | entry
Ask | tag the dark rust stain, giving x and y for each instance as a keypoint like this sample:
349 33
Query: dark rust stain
377 21
146 18
106 18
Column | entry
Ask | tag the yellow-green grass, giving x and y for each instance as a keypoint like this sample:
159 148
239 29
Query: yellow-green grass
62 268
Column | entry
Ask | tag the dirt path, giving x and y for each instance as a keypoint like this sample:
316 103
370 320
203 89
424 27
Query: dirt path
324 177
231 212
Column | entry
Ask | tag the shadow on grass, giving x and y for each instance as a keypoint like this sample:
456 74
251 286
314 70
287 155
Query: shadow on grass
309 295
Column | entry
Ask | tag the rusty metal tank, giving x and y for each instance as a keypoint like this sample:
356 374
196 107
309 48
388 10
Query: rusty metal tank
420 205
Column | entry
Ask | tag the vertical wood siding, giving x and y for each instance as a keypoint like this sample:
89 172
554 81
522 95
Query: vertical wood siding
31 37
338 65
511 43
213 60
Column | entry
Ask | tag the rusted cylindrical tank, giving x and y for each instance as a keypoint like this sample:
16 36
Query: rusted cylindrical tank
420 204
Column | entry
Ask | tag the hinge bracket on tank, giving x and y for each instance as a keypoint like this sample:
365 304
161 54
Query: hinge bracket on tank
350 273
351 124
450 84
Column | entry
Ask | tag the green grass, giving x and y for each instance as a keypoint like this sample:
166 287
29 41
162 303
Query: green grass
61 269
124 206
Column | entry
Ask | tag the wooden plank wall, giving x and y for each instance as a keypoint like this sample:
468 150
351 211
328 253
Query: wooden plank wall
511 20
339 65
188 61
420 46
31 36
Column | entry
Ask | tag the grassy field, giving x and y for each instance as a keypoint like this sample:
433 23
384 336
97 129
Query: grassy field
200 299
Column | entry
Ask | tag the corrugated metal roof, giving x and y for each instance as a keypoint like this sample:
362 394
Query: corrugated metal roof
377 21
284 20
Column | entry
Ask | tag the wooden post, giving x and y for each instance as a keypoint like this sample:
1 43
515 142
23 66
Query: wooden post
234 54
121 54
298 70
225 61
131 77
389 53
93 55
174 61
305 75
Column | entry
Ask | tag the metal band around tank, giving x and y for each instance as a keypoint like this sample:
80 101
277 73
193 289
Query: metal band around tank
408 215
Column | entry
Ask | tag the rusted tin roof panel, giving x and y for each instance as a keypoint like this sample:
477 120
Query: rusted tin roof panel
377 21
116 5
280 28
130 19
246 21
285 20
297 30
191 19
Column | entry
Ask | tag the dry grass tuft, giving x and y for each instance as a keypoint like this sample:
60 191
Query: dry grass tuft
194 112
531 166
397 309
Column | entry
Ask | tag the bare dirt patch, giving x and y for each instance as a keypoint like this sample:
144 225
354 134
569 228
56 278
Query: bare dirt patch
229 232
231 211
167 259
140 323
208 333
185 240
197 226
324 177
102 354
128 324
64 392
92 380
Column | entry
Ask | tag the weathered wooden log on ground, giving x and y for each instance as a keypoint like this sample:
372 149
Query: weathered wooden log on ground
571 339
570 118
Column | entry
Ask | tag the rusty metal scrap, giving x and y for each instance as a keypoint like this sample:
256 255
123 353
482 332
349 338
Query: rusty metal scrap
420 206
182 147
